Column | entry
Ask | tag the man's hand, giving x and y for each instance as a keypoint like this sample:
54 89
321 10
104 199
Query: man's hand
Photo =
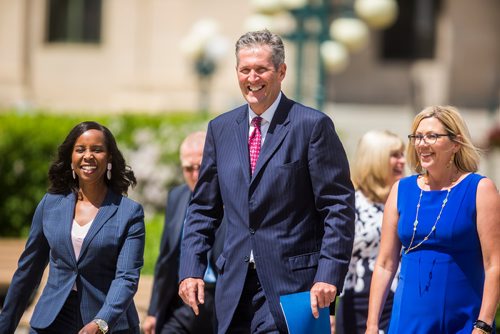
192 292
322 295
149 325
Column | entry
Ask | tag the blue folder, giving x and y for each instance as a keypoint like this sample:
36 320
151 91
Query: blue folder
298 315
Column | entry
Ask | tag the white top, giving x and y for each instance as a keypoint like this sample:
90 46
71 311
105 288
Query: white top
267 117
78 234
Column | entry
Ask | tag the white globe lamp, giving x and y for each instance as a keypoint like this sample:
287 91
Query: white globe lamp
335 56
266 6
351 32
378 14
293 4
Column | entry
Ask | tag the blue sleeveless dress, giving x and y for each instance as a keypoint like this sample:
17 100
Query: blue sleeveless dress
441 282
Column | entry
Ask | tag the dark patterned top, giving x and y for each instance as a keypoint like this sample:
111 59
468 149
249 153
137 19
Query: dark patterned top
366 245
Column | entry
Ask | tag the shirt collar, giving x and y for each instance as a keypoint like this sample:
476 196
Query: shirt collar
266 115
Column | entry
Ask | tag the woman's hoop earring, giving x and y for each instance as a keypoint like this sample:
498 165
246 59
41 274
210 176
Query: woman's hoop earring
452 160
108 173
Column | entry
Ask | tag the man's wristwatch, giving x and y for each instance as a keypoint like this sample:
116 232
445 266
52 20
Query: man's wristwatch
103 325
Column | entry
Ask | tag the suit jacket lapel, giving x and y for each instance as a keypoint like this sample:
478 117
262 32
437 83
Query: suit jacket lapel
107 209
241 140
67 212
275 135
180 216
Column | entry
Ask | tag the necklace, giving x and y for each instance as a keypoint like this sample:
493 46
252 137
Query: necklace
415 223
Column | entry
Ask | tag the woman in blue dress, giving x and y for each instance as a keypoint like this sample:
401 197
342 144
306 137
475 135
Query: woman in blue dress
443 223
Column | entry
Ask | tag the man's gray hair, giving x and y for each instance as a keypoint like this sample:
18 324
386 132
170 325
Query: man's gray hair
261 38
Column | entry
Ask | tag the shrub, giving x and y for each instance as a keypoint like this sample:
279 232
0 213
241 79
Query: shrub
154 229
28 144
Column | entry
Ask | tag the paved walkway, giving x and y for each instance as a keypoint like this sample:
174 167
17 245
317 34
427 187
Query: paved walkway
10 250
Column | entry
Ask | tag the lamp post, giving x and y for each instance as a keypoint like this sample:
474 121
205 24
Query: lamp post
331 25
205 48
320 13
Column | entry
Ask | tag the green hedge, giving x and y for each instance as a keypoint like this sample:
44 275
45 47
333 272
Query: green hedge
154 229
29 141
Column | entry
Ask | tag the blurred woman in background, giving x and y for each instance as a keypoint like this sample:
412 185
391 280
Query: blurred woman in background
378 163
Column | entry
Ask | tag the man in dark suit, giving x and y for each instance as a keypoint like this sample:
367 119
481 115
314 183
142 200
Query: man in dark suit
167 313
278 172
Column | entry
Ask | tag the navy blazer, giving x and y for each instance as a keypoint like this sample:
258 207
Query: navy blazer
165 289
106 273
296 212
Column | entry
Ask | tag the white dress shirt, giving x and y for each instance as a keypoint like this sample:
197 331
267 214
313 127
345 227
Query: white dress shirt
267 117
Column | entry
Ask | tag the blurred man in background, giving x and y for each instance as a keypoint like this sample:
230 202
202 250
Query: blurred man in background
167 313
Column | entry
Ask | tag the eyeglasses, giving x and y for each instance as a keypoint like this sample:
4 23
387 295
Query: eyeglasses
429 139
191 168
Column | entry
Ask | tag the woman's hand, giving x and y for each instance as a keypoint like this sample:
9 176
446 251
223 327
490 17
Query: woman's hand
149 324
332 324
90 328
372 330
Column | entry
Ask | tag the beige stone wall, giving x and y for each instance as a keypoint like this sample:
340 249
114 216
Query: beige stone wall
369 80
139 65
12 70
475 65
464 72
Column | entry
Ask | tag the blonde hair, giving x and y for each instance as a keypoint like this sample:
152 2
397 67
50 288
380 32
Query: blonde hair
370 168
467 157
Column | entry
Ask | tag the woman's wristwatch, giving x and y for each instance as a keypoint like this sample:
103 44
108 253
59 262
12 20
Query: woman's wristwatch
103 325
483 326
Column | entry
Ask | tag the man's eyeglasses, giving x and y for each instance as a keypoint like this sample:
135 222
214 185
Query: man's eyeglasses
429 139
191 168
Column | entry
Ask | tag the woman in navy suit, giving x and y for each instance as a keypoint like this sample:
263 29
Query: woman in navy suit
91 235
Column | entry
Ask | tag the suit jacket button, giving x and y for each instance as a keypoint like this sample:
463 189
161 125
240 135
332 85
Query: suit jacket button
247 258
252 231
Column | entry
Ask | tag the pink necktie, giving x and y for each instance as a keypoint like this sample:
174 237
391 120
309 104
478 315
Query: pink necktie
254 142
